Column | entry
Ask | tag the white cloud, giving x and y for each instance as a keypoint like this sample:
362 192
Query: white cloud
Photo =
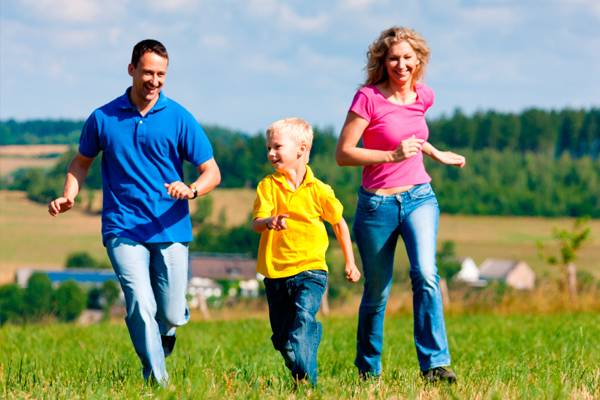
492 16
290 20
260 63
214 41
262 8
355 4
72 11
173 6
74 38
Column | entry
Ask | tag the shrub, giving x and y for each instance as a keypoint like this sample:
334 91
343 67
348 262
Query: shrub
70 300
80 259
11 303
38 296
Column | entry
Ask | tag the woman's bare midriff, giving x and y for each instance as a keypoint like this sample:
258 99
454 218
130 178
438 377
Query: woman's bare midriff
389 191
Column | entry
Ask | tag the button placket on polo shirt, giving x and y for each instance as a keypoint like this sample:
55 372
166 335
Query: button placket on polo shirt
140 128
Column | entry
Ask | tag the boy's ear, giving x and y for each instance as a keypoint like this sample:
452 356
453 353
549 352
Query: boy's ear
302 149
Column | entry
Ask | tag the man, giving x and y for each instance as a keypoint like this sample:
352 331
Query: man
144 138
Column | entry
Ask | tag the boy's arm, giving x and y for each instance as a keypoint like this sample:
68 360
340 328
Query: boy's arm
343 236
276 222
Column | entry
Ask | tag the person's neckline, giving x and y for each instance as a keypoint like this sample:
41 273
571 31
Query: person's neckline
399 105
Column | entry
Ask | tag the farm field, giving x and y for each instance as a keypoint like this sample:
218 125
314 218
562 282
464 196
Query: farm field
495 357
29 237
15 157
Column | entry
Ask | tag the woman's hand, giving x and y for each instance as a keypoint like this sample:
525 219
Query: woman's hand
444 157
406 149
450 158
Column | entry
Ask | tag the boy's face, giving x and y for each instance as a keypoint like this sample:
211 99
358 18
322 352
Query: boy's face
284 153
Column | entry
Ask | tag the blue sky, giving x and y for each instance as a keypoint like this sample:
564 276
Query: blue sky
245 64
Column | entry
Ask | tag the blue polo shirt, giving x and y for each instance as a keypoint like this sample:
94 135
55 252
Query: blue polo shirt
139 155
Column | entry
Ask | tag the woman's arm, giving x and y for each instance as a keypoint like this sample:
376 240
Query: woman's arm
347 154
444 157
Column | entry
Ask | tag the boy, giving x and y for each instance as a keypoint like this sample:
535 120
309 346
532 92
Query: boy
288 212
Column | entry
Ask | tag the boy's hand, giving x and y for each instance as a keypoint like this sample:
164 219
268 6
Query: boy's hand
352 272
277 222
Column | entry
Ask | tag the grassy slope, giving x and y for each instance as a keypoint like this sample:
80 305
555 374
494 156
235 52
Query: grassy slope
30 237
494 357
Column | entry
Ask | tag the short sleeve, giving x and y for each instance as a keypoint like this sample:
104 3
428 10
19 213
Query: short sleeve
89 141
332 208
195 144
263 205
428 96
362 106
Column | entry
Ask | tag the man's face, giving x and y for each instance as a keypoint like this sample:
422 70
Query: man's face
148 78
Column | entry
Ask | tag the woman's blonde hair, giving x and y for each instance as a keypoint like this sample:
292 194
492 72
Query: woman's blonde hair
375 69
296 128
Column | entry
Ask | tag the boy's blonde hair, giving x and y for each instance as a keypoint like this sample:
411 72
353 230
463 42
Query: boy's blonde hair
298 129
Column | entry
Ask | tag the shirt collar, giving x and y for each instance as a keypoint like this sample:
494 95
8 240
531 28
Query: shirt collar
124 102
308 178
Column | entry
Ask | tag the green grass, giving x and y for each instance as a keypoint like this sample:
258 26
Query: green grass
495 357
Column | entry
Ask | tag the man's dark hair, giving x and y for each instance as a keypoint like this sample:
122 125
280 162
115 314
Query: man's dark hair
147 46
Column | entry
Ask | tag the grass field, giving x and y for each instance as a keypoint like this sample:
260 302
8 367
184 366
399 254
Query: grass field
29 237
549 357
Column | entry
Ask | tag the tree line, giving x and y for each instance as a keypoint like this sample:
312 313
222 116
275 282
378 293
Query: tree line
576 131
526 167
40 300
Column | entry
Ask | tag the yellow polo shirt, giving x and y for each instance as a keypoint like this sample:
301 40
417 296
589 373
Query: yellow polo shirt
302 245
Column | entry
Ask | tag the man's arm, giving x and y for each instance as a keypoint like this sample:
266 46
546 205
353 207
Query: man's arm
210 177
78 170
343 236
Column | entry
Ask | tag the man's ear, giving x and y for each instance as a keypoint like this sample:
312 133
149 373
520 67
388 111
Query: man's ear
130 69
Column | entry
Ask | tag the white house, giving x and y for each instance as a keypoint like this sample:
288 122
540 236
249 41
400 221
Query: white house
468 270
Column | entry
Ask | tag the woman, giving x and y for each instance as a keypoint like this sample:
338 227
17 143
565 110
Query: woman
388 113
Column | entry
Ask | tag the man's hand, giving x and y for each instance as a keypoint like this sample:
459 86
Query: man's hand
277 222
179 190
60 205
352 272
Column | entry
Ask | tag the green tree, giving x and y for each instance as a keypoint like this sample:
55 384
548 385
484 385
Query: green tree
110 292
446 261
11 304
80 259
38 296
569 243
204 209
70 300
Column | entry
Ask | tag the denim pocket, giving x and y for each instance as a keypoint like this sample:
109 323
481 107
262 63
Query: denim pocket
317 273
367 204
421 191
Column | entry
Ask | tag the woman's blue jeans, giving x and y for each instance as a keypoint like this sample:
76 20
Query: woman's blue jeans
293 306
153 277
378 223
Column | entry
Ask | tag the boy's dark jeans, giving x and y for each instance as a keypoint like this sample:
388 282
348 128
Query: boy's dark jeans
293 304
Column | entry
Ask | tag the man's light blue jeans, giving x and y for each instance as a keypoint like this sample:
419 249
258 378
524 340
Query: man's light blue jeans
378 223
153 277
293 306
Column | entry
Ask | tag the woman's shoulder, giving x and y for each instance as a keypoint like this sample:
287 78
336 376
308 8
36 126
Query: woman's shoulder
425 93
369 91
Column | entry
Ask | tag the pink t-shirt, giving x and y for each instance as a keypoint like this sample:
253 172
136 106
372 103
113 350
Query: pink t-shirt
389 124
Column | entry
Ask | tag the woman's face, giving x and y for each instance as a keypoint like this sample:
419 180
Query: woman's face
401 63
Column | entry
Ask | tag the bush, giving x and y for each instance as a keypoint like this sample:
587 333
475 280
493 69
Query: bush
80 259
38 296
204 209
70 300
11 303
